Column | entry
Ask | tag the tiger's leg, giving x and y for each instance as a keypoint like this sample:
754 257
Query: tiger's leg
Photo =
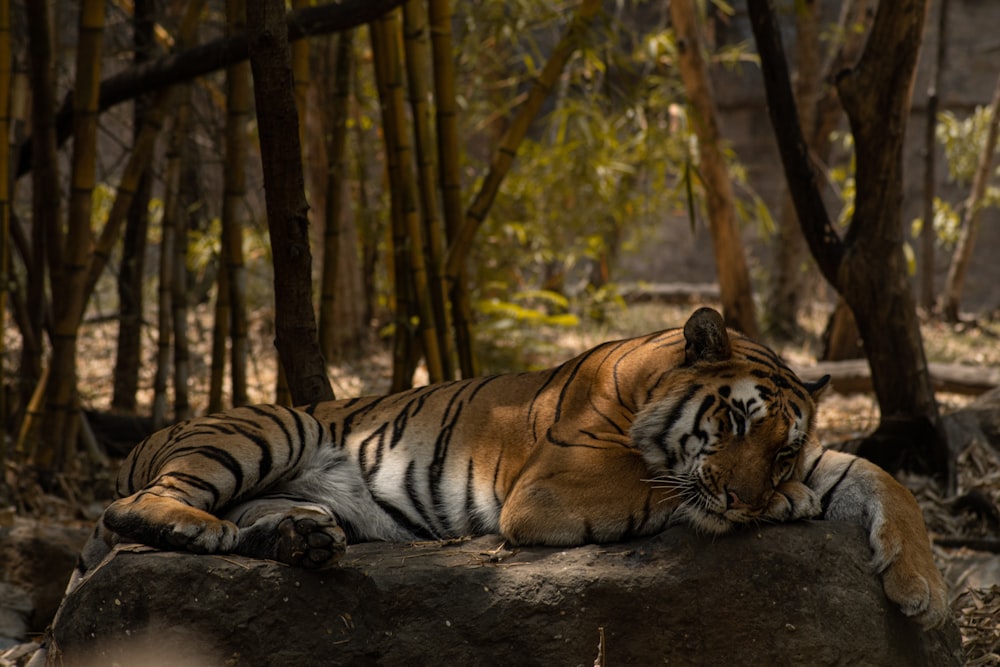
176 481
155 517
857 490
582 496
289 531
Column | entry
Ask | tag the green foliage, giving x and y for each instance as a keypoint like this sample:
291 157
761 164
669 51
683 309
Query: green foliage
842 178
963 139
611 156
947 223
531 307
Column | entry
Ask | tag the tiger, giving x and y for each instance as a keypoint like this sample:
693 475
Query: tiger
697 425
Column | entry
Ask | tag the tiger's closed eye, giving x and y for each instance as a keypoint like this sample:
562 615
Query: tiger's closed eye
784 459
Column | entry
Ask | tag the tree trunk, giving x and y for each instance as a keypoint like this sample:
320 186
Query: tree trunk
60 422
237 114
5 86
970 217
841 340
288 224
44 187
868 267
193 218
791 279
928 239
131 274
340 324
730 262
165 292
171 319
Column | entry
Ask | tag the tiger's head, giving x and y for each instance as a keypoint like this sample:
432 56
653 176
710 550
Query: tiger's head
724 430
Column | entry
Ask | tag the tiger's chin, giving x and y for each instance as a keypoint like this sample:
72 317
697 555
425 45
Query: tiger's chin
705 522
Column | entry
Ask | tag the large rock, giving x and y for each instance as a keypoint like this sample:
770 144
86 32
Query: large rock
36 560
777 595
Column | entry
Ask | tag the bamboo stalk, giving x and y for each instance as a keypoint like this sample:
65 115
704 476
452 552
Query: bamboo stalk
449 168
171 322
178 300
168 245
402 369
408 236
142 153
238 96
59 428
220 334
27 437
730 259
418 64
5 104
46 216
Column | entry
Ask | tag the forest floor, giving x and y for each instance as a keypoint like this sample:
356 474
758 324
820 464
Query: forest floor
841 418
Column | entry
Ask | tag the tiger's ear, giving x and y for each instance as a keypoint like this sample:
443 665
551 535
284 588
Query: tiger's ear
816 387
706 336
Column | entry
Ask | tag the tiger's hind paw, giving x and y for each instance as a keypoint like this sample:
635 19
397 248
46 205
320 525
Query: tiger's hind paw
310 542
306 537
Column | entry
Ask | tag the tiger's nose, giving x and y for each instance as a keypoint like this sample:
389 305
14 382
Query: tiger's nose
735 503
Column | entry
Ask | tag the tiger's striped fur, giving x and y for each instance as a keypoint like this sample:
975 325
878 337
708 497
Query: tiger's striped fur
695 425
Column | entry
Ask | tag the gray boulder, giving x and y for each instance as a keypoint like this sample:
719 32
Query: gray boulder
799 594
35 563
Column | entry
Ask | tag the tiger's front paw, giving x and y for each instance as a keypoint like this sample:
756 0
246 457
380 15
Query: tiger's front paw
913 581
791 501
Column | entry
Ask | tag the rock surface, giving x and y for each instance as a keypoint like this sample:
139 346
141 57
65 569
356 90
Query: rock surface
775 595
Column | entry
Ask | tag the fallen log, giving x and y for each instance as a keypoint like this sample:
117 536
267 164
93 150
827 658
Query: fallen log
669 293
854 376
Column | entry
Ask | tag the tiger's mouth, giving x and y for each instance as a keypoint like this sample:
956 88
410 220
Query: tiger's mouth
706 510
716 512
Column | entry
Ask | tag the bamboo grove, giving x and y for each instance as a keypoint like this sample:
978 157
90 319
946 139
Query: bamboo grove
408 53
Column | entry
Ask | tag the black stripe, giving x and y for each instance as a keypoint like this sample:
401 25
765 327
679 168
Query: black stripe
568 383
413 493
533 421
828 496
221 456
194 481
401 519
376 440
812 468
496 480
678 409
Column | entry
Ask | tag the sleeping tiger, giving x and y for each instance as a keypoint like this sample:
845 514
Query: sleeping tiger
698 425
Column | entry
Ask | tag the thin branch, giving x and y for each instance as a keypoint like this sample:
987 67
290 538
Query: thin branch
814 219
